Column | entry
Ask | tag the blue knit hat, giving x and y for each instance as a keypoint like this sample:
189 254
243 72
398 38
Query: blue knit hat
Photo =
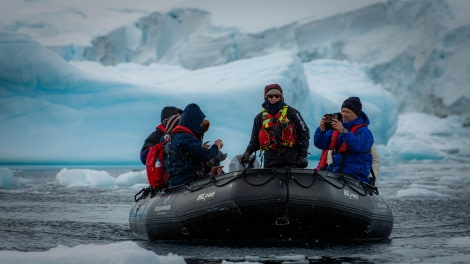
354 104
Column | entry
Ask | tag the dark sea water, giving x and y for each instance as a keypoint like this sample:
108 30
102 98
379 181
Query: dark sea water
430 201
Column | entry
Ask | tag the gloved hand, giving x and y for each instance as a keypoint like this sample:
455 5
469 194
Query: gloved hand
302 162
245 158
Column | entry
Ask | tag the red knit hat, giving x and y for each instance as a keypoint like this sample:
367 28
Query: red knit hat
273 89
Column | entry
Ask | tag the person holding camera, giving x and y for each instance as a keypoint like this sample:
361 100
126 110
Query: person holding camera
347 136
280 131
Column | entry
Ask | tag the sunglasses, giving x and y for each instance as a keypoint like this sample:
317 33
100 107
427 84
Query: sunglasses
274 95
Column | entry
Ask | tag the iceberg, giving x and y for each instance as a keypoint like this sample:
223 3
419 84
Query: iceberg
74 93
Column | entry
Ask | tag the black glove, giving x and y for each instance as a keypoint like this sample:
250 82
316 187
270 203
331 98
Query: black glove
215 161
302 162
245 158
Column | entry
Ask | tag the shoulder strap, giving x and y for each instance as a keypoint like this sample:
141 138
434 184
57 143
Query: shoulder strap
344 146
373 178
183 129
284 112
182 155
323 162
334 140
356 127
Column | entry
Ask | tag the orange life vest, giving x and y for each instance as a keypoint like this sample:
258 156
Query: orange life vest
276 130
323 163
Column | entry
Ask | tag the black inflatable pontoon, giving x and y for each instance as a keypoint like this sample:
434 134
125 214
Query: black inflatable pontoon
280 203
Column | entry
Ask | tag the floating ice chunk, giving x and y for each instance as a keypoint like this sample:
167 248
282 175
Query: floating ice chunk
84 178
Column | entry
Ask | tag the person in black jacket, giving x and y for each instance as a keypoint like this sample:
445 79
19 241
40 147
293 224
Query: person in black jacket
156 136
280 131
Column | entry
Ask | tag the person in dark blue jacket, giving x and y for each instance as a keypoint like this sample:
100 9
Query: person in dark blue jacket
349 139
186 153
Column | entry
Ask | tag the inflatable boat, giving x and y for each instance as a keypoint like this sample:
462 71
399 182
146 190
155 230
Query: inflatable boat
264 204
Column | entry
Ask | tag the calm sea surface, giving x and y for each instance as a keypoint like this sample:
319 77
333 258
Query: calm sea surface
430 202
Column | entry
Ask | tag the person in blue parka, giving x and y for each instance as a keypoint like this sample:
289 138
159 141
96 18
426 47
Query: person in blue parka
349 139
186 151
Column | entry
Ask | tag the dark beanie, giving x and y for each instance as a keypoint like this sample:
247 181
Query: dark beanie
168 111
354 104
272 87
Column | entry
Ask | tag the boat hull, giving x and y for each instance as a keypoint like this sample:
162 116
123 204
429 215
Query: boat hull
254 204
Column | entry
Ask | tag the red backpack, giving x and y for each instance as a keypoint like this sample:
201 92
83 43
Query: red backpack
154 165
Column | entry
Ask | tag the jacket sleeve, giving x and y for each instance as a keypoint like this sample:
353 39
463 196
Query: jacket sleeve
302 131
151 140
198 152
254 141
321 139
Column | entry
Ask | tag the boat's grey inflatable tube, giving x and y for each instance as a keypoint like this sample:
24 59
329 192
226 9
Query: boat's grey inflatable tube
264 204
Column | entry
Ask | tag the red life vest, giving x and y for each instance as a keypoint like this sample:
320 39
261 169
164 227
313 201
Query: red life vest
276 130
323 163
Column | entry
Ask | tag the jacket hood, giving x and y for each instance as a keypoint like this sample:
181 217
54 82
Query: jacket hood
192 118
168 111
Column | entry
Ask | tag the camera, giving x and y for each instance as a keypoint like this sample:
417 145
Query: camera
329 119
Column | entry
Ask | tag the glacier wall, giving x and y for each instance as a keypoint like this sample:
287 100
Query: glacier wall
53 110
417 50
